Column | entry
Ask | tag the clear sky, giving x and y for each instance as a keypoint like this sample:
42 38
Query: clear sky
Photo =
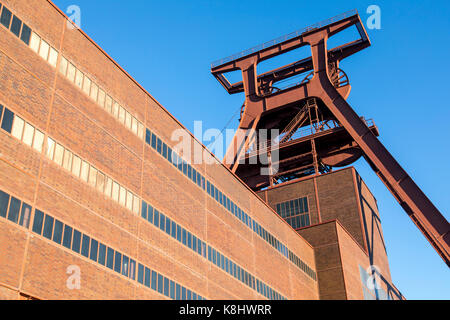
401 82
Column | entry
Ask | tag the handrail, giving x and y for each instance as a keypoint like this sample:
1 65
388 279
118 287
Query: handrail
286 37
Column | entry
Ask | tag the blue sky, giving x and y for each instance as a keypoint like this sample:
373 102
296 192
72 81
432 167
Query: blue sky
401 82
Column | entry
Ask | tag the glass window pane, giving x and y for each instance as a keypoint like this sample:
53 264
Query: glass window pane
63 64
87 85
25 215
114 108
154 280
44 50
67 239
26 34
140 278
53 57
7 120
129 200
92 176
147 277
115 191
160 283
28 134
94 250
79 78
125 266
102 254
76 243
118 262
128 120
38 142
14 208
50 148
76 166
110 259
134 125
100 181
48 227
166 287
57 233
67 162
132 269
101 98
109 104
5 18
121 114
84 171
35 42
85 246
16 26
108 187
135 204
59 154
18 126
94 91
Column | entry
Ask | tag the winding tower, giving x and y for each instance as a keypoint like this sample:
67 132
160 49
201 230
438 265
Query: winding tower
317 128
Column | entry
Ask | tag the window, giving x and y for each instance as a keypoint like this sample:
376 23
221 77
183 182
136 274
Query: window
183 293
132 269
140 274
44 50
125 265
160 283
150 214
94 250
147 275
173 229
7 120
26 34
177 292
184 237
110 258
14 207
25 215
102 254
178 233
85 246
166 287
76 241
156 218
67 240
48 227
144 210
148 136
162 222
57 233
154 280
5 18
172 289
118 262
38 142
16 26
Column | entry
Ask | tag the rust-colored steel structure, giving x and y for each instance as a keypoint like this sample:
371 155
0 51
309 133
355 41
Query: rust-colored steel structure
335 135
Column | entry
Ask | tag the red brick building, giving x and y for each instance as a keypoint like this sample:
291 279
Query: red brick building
95 204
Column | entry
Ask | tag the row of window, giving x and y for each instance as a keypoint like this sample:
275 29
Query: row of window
50 54
14 210
65 158
94 177
163 149
293 207
300 221
242 275
170 155
90 88
177 232
80 243
43 49
15 25
159 220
